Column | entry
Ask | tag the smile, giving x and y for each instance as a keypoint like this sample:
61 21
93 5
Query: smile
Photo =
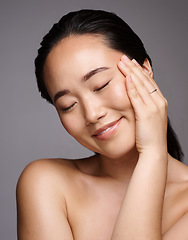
107 131
104 131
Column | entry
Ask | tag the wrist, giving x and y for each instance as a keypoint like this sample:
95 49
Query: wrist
157 150
155 153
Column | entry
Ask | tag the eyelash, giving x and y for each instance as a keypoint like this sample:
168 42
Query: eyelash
66 109
97 90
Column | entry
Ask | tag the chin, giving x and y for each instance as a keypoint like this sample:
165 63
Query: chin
121 145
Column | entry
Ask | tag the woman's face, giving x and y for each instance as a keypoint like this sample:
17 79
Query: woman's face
89 93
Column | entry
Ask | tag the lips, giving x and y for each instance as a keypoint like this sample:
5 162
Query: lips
107 130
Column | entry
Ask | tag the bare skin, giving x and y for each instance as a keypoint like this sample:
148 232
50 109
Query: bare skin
130 191
63 199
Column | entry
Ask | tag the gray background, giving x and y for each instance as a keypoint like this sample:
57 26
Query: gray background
29 127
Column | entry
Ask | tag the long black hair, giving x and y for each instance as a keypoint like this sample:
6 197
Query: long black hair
117 35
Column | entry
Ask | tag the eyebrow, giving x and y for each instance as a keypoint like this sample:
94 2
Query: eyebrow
93 72
85 78
60 94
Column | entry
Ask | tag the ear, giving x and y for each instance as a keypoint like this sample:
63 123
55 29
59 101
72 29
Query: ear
147 67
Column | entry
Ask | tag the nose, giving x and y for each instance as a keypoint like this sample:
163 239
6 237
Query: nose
93 110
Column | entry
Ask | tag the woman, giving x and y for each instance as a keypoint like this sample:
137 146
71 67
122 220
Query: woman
94 69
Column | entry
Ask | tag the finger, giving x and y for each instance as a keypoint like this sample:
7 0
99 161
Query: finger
134 96
145 72
134 67
142 81
142 89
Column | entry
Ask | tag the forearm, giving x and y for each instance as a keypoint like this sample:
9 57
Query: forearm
141 212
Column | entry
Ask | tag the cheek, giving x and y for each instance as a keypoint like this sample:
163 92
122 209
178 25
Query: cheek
70 123
119 97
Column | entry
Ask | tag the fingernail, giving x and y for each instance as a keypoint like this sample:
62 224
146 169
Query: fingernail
136 63
122 64
125 58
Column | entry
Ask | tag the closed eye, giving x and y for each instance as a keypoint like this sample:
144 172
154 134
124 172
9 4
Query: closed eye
98 89
68 108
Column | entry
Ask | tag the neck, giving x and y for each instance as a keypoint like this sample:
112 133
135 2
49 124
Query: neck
121 168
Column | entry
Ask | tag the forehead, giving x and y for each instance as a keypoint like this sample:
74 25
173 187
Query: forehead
74 56
77 48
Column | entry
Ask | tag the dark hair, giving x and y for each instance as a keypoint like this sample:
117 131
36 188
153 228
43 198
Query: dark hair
117 35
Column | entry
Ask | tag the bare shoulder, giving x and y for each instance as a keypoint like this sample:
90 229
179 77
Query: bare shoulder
176 202
43 165
41 199
45 178
177 176
41 171
57 172
177 183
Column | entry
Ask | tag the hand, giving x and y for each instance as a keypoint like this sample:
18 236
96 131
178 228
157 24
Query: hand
150 108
